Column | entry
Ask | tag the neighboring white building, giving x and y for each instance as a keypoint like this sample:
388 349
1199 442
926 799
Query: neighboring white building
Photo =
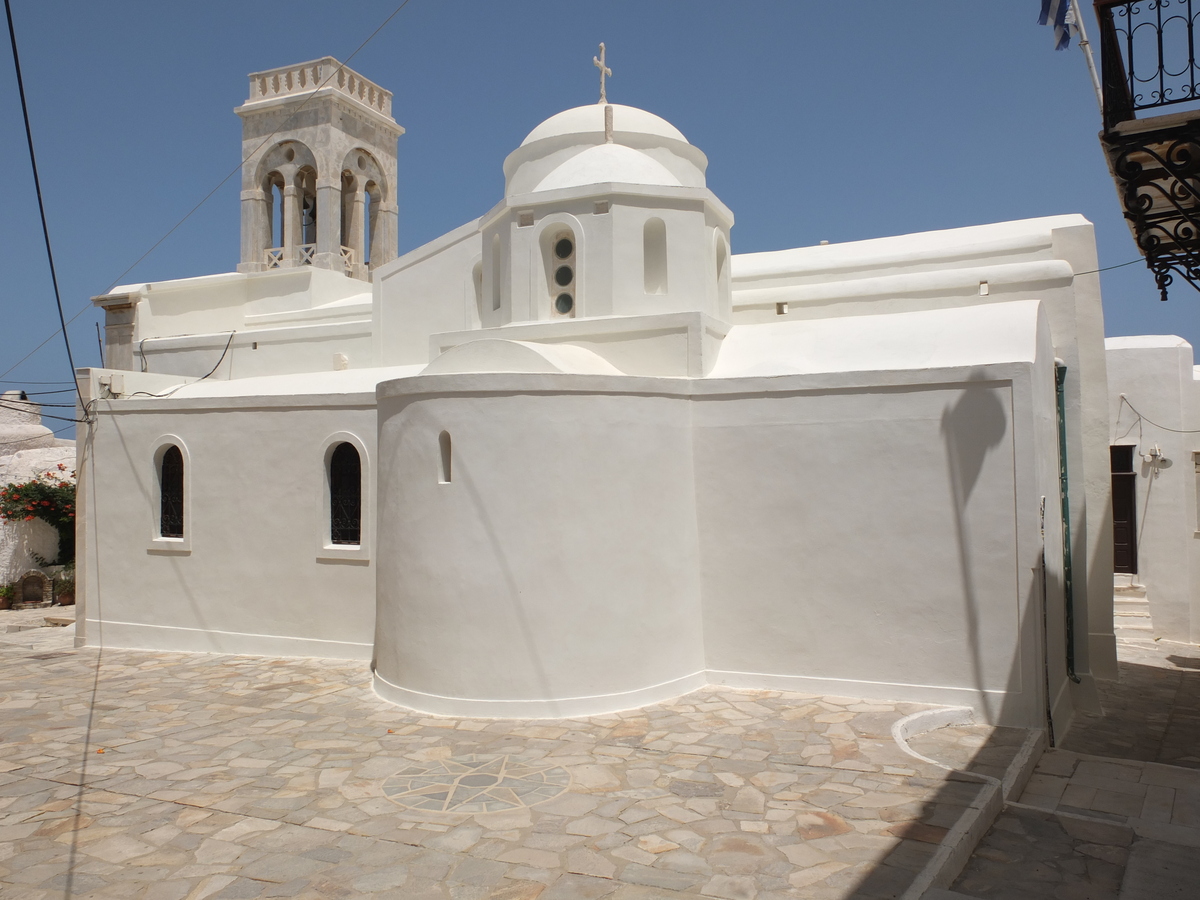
1154 399
575 456
27 450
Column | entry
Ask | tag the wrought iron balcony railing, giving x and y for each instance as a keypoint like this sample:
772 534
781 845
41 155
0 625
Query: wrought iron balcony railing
1148 54
1148 59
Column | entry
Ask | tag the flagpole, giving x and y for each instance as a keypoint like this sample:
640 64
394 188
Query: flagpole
1087 54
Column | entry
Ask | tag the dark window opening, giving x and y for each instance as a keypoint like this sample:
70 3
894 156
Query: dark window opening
171 493
1124 504
445 457
564 303
345 495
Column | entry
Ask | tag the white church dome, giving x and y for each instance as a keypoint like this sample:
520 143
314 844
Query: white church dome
571 150
608 163
584 119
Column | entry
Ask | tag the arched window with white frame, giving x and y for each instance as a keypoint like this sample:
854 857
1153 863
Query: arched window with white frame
170 492
345 495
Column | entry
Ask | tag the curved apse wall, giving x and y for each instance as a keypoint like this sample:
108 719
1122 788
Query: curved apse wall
555 573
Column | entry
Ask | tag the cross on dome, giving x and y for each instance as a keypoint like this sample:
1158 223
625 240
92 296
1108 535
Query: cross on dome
598 62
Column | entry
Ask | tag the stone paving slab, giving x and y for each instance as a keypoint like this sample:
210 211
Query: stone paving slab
1158 871
1031 854
1152 713
1103 820
175 776
1156 801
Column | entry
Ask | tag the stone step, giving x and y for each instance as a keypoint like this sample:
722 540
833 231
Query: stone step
1126 625
1137 593
1123 606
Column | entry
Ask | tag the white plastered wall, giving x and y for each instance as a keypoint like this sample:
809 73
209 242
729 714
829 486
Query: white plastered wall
606 541
862 539
254 572
1051 259
556 573
1155 375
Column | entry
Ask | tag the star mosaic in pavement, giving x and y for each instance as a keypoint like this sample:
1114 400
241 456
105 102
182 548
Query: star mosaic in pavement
476 784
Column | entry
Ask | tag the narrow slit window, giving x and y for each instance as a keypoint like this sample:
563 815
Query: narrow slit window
345 495
477 283
654 256
444 457
170 485
497 271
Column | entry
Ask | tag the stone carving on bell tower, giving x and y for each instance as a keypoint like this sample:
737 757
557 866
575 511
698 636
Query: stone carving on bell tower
319 177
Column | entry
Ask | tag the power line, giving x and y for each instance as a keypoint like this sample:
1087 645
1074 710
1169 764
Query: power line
265 141
37 183
1125 400
53 335
25 440
1107 268
206 197
37 403
43 415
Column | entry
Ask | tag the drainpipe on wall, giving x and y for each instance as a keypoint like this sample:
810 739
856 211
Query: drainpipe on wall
1060 377
1045 632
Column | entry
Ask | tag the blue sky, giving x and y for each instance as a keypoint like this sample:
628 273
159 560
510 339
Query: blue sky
821 121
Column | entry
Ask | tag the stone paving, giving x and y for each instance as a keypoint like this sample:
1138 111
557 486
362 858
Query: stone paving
1157 801
1030 854
1107 819
1152 713
164 776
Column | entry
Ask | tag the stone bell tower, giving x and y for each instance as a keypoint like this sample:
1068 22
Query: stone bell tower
319 179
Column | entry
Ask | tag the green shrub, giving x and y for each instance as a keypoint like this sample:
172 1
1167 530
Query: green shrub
49 497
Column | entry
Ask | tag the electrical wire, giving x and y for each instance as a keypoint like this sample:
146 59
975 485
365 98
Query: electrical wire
1109 268
265 141
1155 424
52 336
37 184
24 440
186 383
50 416
6 404
206 197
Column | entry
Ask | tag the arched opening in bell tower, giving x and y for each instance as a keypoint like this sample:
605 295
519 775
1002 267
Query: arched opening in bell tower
364 194
319 191
273 188
306 188
371 198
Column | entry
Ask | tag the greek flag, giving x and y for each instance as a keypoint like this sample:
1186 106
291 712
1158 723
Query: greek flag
1060 14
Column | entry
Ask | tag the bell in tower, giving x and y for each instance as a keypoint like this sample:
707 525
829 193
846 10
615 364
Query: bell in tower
319 179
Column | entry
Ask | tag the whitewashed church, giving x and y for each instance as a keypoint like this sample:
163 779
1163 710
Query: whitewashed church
577 456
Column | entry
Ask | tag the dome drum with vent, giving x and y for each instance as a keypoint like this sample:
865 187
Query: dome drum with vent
645 234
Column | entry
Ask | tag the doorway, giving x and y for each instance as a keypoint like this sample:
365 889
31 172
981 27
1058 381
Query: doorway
1124 502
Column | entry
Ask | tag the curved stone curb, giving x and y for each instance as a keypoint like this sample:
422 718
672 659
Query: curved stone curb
960 842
